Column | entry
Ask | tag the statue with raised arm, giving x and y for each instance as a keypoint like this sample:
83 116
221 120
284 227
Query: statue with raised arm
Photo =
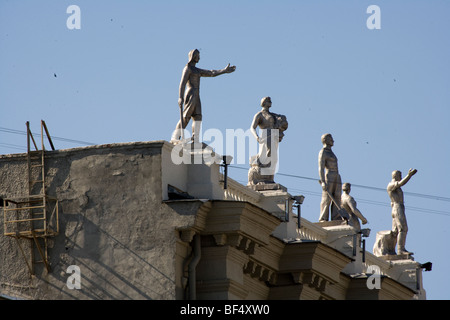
189 95
272 127
399 224
330 180
348 203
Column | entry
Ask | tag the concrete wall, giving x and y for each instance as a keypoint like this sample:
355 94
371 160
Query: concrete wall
113 225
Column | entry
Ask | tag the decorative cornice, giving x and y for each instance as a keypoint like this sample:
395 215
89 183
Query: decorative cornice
260 272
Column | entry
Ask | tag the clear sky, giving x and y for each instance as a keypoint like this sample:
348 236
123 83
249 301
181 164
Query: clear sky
382 93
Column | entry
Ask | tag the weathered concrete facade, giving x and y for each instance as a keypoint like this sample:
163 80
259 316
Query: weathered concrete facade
113 224
132 239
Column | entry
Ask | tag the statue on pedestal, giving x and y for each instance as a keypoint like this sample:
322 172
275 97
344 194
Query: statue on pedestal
399 224
387 240
189 96
272 127
330 180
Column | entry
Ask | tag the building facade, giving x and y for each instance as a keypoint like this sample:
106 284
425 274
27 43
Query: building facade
133 224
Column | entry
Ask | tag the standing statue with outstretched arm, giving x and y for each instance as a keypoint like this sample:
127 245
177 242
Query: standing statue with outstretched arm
189 95
399 224
330 180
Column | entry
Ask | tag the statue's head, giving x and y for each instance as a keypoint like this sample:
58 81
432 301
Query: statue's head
397 175
194 56
346 187
266 102
327 139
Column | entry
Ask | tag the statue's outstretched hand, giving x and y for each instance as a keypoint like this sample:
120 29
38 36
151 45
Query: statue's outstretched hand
229 69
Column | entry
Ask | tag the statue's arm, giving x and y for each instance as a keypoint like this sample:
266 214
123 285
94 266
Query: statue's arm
322 169
352 205
215 73
184 79
254 125
397 184
411 172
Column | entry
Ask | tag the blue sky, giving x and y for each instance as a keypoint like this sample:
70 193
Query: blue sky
383 94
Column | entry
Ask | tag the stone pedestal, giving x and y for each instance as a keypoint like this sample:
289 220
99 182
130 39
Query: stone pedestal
408 272
394 257
331 223
196 167
268 187
403 267
278 202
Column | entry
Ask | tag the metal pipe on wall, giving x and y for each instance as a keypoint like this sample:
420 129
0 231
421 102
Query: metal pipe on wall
196 247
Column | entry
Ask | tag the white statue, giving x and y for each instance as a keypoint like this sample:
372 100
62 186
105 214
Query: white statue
399 224
271 127
189 95
330 180
348 203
